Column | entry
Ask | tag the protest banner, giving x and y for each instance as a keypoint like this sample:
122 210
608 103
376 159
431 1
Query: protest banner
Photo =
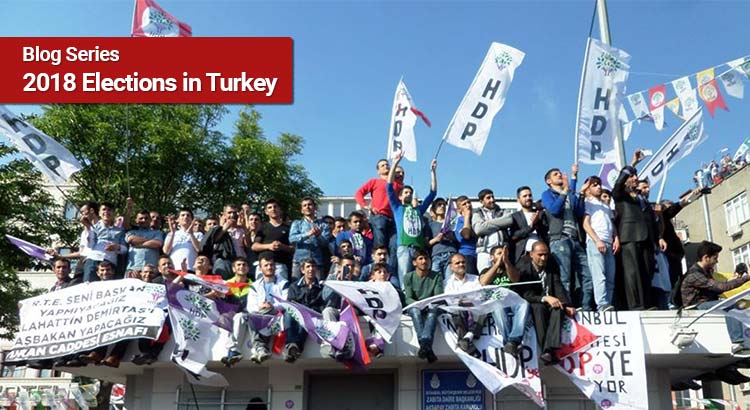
494 368
612 371
197 324
87 316
378 301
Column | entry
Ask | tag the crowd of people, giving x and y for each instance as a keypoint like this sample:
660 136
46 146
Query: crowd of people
580 247
712 173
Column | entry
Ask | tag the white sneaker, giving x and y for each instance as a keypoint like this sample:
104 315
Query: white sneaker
263 355
325 349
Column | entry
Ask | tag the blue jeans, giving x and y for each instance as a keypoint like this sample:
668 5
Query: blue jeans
384 233
424 324
514 322
574 272
404 255
602 267
89 271
294 332
440 263
734 326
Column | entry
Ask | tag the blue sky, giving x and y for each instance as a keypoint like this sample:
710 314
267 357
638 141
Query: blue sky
349 57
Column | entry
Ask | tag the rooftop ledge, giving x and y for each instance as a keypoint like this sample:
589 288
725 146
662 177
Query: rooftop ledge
710 350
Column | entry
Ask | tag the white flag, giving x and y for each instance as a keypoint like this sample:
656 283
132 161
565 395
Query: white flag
495 368
741 65
679 145
379 302
47 155
742 149
638 105
403 118
690 104
472 122
605 71
681 86
193 339
733 84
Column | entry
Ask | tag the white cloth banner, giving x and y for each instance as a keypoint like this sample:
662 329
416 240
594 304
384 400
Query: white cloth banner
47 155
690 103
195 332
679 145
472 121
401 133
495 368
605 71
86 316
612 371
742 149
378 301
638 105
682 86
733 84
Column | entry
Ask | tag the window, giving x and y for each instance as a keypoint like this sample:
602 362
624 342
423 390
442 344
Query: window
71 211
741 254
736 211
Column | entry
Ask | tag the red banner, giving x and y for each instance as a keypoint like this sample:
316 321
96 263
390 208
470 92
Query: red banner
711 95
243 70
657 97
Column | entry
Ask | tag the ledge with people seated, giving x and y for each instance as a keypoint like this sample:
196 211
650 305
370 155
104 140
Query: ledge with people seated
711 350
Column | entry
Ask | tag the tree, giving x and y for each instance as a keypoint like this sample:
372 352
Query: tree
173 156
28 212
252 169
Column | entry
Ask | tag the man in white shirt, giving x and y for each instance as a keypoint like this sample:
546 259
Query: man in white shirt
181 243
460 281
601 243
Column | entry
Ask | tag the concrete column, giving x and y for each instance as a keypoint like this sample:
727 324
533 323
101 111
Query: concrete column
288 383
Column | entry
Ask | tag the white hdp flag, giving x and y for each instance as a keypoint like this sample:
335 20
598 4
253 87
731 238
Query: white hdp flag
742 149
495 368
47 155
733 84
197 323
403 118
605 71
679 145
150 20
472 122
638 105
378 301
688 96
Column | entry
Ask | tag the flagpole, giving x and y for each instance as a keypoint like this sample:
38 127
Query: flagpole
135 6
663 183
601 7
580 97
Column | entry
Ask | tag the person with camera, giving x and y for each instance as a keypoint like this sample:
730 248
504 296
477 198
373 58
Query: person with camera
637 237
529 224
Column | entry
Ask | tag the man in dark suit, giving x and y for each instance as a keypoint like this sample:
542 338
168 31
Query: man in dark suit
529 224
548 300
636 225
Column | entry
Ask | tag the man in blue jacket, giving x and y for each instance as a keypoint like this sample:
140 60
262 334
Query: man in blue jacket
565 209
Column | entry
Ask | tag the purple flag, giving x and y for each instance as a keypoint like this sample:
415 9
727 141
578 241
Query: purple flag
608 174
334 333
356 343
450 215
218 312
30 249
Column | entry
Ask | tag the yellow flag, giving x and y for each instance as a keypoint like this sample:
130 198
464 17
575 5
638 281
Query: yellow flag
674 106
704 76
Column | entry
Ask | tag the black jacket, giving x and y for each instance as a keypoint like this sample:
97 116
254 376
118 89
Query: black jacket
636 221
535 292
520 230
311 296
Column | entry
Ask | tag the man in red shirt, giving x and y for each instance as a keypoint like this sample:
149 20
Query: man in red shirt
381 216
